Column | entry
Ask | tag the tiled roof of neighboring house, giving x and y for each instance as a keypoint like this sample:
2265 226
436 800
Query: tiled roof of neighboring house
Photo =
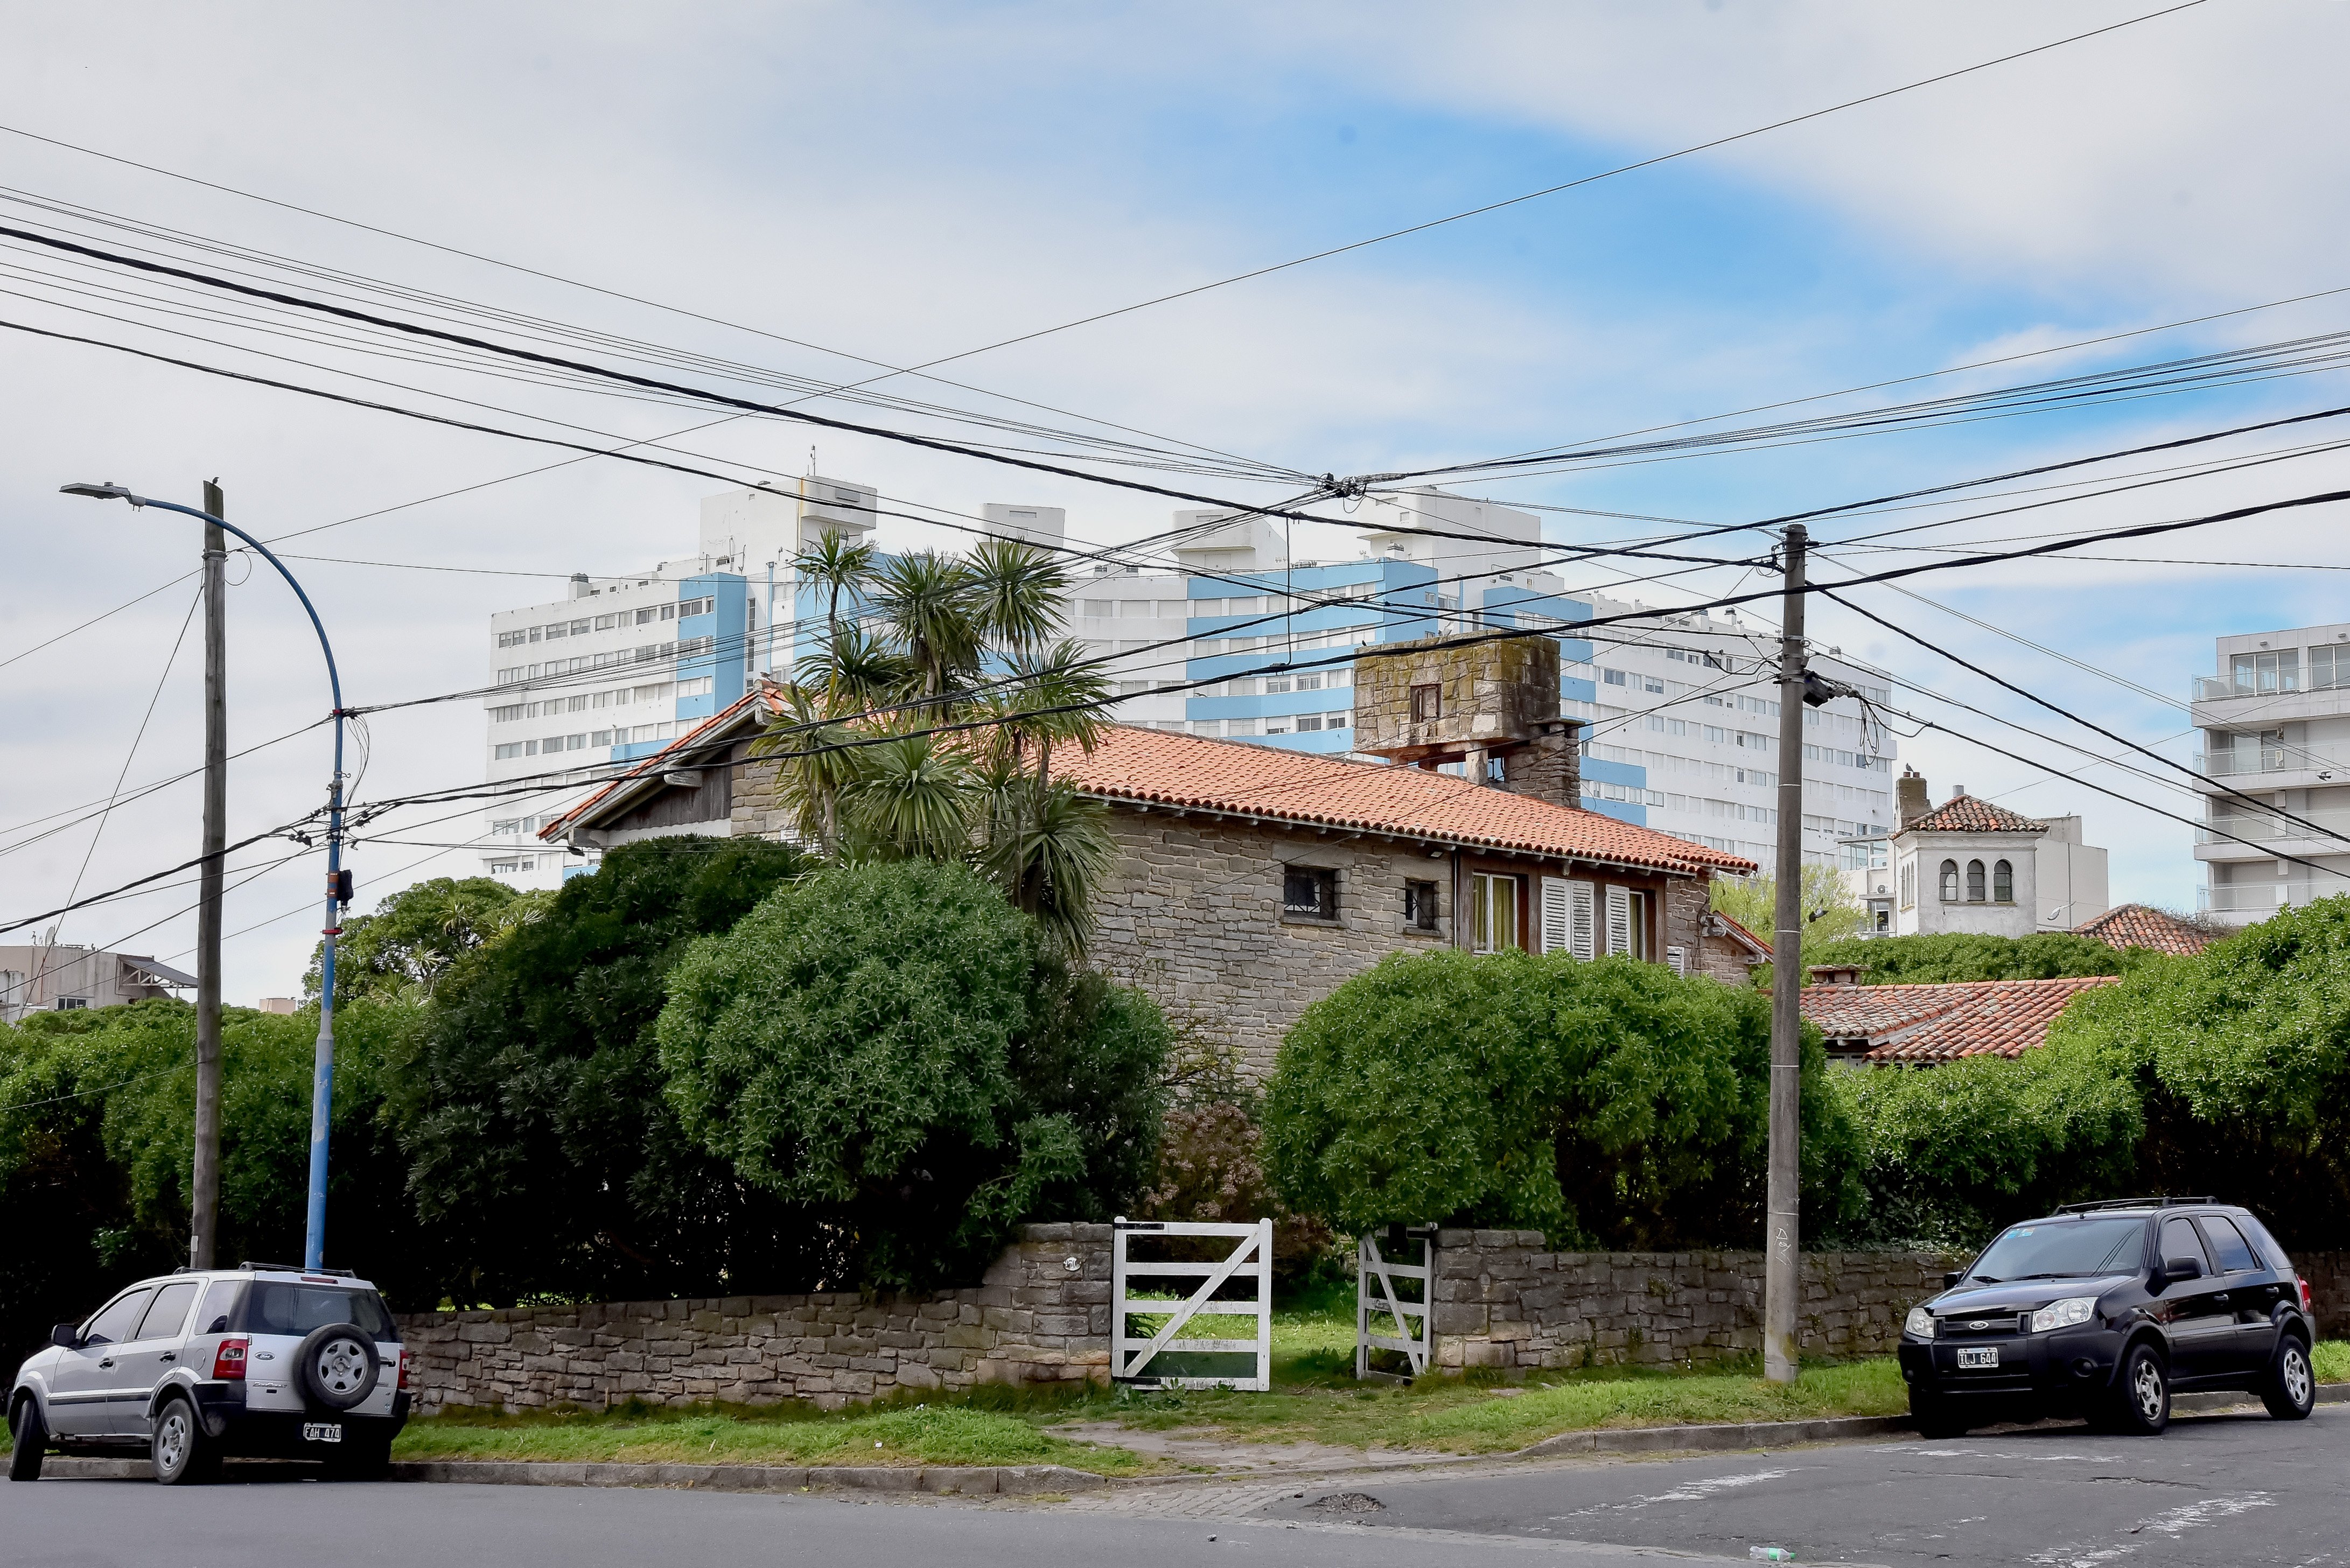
1943 1023
1967 813
1192 771
1756 948
2138 926
1160 768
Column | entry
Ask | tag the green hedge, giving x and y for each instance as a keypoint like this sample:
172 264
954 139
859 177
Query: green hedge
1610 1104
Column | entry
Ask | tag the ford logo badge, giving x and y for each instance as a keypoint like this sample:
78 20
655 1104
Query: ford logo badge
1979 1324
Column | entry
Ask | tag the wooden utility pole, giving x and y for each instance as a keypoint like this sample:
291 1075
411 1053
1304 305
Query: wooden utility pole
204 1229
1780 1275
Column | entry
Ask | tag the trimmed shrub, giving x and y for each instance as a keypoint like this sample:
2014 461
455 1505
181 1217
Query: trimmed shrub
1610 1104
881 1049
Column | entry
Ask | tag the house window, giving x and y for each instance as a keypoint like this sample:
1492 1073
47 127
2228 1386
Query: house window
1309 893
1427 705
1909 884
1950 881
1637 912
68 1004
2002 883
1974 882
1495 899
1420 906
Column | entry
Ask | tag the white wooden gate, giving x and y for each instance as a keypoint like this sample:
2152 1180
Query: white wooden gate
1251 1258
1377 1298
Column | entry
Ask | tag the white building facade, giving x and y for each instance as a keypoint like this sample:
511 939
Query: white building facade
2275 725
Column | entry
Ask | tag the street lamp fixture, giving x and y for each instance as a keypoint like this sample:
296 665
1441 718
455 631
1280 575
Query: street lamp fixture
322 1082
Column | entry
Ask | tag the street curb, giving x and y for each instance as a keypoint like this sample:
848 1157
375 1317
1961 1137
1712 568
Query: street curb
1741 1435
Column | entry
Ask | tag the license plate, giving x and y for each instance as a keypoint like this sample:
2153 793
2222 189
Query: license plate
322 1431
1986 1356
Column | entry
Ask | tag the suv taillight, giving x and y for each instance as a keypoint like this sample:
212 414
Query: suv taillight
403 1369
2305 1294
228 1361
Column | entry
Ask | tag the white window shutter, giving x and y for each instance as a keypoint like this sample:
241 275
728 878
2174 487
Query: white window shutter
1619 920
1582 920
1679 959
1557 930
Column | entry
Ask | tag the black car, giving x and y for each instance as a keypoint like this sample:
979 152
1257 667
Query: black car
2103 1309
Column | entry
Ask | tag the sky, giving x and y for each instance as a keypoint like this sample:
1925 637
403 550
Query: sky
795 186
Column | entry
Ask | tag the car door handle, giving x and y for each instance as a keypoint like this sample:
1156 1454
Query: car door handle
168 1356
107 1362
2222 1298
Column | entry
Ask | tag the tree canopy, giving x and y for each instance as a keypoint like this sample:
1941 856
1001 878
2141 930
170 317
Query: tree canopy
1962 955
888 1050
1608 1103
400 951
542 1147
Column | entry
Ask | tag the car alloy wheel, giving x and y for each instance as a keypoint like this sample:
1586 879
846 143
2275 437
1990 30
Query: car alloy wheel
2145 1390
343 1364
178 1447
2296 1375
2291 1390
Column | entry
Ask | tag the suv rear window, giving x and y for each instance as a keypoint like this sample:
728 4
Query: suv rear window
2064 1249
276 1306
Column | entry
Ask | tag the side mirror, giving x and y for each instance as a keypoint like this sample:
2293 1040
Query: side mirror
67 1336
1950 1281
2177 1269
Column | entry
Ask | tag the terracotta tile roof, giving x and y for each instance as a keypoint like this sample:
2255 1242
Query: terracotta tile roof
2138 926
1966 814
1738 933
1196 773
1944 1022
1193 771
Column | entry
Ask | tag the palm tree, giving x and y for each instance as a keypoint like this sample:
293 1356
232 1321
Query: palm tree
855 670
928 601
1058 697
1016 592
816 763
836 567
1048 847
912 799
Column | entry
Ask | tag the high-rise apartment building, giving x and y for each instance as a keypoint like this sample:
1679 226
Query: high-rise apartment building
1692 700
619 665
2275 722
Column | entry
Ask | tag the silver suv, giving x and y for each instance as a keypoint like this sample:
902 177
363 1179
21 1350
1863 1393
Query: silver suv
261 1359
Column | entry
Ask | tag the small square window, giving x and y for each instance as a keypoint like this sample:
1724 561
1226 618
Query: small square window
1309 893
1426 703
1419 910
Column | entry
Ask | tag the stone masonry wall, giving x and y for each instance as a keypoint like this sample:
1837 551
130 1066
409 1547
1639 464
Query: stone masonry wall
1033 1320
1502 1301
2328 1274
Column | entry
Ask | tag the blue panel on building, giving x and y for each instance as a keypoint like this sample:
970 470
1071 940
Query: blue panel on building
725 659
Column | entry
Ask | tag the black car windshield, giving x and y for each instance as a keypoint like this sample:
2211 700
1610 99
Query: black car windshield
2064 1249
274 1306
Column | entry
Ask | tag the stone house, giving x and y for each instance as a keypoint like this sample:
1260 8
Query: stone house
1253 880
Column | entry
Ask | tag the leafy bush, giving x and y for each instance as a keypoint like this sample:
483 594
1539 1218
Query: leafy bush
1951 1151
97 1112
400 951
2241 1058
1957 955
881 1048
1609 1104
544 1153
1212 1168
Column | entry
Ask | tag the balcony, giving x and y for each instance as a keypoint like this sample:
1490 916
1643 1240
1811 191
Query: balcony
2329 826
2243 902
2273 758
2217 688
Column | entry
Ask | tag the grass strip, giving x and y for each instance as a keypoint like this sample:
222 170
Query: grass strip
921 1435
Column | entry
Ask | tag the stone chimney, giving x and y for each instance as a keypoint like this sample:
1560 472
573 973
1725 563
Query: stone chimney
1490 701
1910 801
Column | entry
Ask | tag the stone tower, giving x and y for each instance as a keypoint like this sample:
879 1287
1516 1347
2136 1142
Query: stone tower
1486 704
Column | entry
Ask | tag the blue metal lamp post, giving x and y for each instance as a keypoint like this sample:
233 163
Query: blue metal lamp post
322 1083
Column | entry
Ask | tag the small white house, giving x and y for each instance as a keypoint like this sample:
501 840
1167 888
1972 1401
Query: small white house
1967 865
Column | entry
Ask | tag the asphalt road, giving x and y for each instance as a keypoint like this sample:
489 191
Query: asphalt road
2231 1491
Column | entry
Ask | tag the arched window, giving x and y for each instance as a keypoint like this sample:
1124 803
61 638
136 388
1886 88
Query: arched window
1950 881
2002 883
1974 882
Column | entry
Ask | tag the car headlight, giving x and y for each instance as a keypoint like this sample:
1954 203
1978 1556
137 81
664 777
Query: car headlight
2065 1313
1920 1324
